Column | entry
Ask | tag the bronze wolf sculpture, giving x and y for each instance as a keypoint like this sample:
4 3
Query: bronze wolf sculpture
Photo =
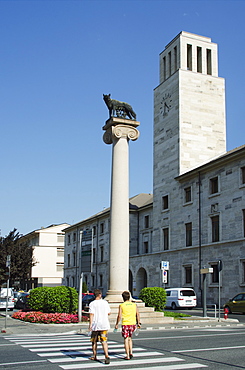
119 108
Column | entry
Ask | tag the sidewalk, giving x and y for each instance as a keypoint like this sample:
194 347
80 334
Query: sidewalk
18 327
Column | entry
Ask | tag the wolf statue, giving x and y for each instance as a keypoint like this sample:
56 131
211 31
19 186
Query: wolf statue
119 108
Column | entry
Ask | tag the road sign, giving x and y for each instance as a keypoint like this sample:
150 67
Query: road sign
164 265
208 270
164 276
8 262
220 265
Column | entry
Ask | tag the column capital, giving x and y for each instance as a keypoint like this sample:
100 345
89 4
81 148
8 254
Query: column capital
117 128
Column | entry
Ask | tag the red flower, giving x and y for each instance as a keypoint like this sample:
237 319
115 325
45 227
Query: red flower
47 318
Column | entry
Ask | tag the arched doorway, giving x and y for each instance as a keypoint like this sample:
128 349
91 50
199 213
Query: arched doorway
130 282
141 280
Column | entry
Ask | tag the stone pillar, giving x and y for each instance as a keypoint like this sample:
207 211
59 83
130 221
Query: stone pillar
118 132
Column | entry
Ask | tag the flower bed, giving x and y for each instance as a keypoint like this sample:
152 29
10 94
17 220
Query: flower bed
47 318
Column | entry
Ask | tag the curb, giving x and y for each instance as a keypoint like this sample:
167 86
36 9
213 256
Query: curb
16 326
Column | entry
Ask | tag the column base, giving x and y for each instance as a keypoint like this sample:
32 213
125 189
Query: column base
114 296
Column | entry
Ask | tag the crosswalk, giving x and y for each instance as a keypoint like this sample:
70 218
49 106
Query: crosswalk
73 352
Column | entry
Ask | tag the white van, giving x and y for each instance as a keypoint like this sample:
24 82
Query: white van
6 294
181 298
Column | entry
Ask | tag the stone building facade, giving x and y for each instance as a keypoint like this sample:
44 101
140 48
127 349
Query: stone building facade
197 214
140 216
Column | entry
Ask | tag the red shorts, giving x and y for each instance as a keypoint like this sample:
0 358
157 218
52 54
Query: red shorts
127 330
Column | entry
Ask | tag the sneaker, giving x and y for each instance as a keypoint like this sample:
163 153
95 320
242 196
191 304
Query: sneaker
107 360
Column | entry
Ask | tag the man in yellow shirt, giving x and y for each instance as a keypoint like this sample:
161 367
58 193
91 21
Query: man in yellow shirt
129 313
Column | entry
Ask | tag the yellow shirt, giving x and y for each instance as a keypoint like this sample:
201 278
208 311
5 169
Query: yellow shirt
128 313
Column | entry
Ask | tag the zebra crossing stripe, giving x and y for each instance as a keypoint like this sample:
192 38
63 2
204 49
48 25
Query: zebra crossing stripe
58 344
96 364
33 342
65 348
78 353
175 367
76 359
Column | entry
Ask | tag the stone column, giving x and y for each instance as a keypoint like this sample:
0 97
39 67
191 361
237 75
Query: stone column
118 132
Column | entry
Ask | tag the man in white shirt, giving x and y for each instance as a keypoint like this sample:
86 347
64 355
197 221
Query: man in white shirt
99 325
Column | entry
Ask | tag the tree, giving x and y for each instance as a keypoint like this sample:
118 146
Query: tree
84 287
21 258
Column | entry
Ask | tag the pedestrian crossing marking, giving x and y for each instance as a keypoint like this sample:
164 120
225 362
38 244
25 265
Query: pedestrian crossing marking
65 347
73 352
121 356
174 367
77 353
95 364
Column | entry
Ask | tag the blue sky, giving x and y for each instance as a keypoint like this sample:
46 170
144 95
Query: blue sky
57 60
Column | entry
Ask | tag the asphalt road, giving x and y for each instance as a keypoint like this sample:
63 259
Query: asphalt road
211 313
212 348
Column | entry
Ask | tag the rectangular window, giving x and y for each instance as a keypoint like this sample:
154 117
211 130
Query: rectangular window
101 280
215 274
68 260
189 57
69 239
146 222
188 275
74 237
243 175
187 194
165 202
188 234
166 238
102 226
60 252
169 63
175 59
164 68
243 272
94 255
101 254
209 62
60 238
215 228
199 59
243 214
74 259
93 280
214 185
94 230
146 247
59 266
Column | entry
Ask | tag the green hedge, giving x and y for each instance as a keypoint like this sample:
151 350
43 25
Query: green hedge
154 297
61 299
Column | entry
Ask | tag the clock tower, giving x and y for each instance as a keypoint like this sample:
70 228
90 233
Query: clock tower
189 114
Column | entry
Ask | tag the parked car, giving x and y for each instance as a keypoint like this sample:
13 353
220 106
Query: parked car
89 293
17 295
236 304
86 300
22 301
181 298
6 295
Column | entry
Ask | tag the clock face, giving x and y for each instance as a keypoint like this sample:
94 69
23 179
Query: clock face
166 104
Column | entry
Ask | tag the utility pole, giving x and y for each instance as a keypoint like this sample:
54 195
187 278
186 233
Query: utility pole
8 264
